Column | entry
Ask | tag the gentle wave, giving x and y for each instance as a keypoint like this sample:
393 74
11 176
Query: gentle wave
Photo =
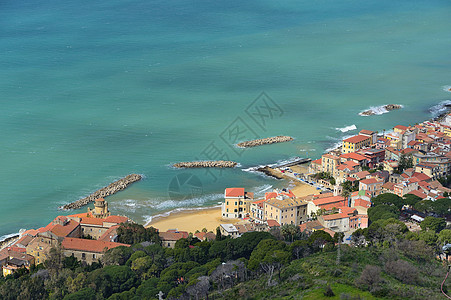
347 128
447 88
7 236
440 108
132 205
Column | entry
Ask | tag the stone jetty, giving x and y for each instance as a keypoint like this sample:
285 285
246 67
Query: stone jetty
206 164
388 107
268 171
111 189
270 140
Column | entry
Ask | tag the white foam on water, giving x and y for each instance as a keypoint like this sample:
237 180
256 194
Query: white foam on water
377 110
447 88
7 236
440 108
347 128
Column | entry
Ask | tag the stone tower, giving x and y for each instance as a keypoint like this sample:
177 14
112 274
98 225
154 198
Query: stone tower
100 209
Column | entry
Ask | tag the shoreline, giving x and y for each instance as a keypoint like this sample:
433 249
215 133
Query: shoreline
210 217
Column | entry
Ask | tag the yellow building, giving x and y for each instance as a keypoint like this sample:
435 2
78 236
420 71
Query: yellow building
329 163
236 203
285 208
355 143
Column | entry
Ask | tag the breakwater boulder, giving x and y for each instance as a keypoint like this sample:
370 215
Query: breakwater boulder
111 189
270 140
206 164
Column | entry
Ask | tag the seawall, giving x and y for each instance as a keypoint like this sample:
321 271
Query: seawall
111 189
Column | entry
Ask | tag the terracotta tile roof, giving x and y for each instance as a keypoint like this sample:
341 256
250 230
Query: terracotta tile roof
31 232
63 231
370 181
401 127
354 156
116 219
273 223
24 241
109 234
317 161
388 186
309 225
270 195
365 131
408 150
335 216
89 245
362 174
328 200
418 193
347 210
209 236
356 139
234 192
331 156
172 235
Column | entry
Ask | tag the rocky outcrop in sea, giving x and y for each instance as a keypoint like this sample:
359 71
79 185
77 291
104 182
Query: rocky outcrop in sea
206 164
265 141
381 109
111 189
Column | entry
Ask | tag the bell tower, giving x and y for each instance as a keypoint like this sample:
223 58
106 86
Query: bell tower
100 209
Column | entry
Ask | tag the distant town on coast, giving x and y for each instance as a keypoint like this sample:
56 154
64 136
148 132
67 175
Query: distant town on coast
374 192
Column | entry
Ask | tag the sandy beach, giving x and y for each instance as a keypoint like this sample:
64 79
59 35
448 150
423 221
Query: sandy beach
210 218
191 220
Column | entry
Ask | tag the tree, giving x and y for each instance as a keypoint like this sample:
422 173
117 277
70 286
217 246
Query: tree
411 200
132 233
429 237
218 234
424 206
388 199
435 224
289 231
54 261
382 211
85 293
269 255
441 206
444 237
319 239
405 162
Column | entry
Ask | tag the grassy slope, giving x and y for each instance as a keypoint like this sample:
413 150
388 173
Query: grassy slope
306 278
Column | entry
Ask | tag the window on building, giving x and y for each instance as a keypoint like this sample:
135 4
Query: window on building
83 255
94 256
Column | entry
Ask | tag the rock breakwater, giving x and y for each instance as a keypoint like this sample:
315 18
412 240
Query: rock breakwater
111 189
206 164
270 140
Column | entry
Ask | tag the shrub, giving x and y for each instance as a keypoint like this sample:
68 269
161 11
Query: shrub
402 270
370 277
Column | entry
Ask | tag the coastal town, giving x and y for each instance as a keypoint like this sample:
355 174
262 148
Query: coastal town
408 160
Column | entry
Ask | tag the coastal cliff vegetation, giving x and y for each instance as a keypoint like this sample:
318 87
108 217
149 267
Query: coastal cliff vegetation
384 261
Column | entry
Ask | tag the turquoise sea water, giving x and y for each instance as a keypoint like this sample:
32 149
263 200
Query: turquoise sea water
93 90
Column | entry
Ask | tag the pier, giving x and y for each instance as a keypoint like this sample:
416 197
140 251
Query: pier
111 189
298 161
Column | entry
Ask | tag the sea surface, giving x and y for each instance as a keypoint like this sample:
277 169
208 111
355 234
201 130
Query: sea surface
91 91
